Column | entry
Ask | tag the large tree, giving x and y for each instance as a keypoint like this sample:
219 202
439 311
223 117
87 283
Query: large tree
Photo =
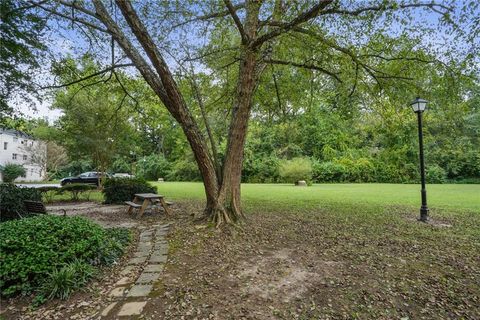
322 35
20 48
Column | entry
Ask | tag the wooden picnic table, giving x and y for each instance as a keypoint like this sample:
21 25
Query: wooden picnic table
147 199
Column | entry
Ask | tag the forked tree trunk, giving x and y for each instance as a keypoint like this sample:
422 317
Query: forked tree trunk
223 195
227 206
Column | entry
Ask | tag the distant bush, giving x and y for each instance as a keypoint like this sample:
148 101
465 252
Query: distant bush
11 171
75 189
435 174
52 255
261 169
48 192
184 170
120 165
328 172
11 200
153 167
295 170
118 190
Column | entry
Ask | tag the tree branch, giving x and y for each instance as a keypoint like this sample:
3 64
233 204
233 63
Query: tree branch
62 15
359 11
236 19
111 68
285 27
305 66
210 16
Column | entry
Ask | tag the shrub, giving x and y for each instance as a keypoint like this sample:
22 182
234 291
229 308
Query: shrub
121 165
12 197
435 174
118 190
184 170
296 169
75 189
153 167
262 169
328 172
12 171
48 254
48 192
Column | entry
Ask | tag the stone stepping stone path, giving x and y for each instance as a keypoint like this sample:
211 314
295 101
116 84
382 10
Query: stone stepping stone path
131 291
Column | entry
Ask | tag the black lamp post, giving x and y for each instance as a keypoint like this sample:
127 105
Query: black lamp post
419 106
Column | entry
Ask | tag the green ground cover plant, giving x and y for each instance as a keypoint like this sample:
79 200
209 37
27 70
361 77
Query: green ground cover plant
51 256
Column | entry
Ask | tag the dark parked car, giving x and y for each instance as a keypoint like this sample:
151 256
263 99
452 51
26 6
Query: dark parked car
86 177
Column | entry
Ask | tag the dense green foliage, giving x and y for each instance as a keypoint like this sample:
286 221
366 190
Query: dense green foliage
118 190
11 200
295 170
11 171
20 41
46 254
75 189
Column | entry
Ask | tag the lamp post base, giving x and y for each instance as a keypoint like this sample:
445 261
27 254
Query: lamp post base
423 214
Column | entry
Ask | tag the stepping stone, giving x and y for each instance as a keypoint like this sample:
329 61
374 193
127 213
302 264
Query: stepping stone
117 292
161 249
132 309
108 309
162 232
144 246
140 290
148 278
147 233
158 258
153 268
143 253
123 281
138 260
127 270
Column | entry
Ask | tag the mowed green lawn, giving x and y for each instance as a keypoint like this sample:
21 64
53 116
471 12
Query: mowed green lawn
456 197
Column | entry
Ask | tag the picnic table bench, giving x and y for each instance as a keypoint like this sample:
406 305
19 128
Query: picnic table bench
143 200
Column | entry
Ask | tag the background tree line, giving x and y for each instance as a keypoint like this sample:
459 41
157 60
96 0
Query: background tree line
345 138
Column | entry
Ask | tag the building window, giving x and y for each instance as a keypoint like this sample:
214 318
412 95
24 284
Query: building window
25 157
5 145
31 172
14 156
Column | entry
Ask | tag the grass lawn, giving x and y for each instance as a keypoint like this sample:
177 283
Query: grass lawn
440 196
331 251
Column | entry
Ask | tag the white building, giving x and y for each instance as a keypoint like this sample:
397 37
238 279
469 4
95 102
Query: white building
19 148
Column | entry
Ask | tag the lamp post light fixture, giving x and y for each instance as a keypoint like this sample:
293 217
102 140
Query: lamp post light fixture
419 106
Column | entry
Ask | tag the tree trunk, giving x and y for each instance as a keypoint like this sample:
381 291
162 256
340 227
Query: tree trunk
227 206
